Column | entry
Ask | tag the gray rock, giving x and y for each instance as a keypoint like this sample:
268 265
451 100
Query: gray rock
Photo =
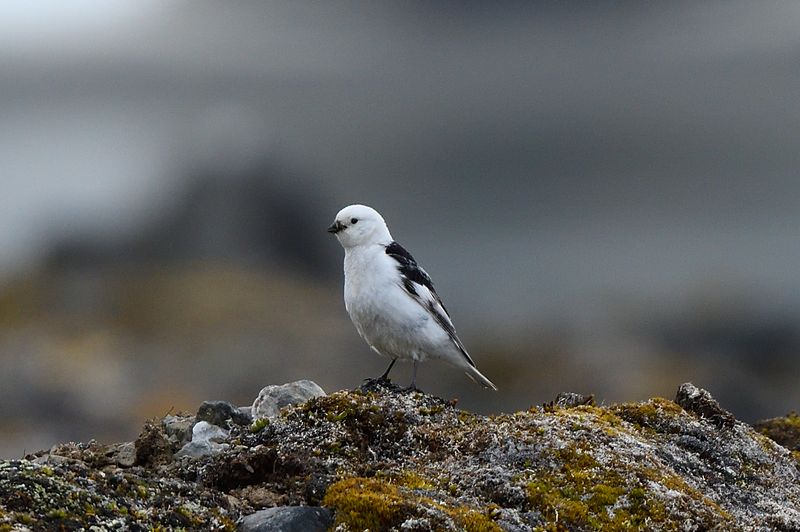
54 459
125 454
219 412
206 440
571 400
205 431
699 402
274 397
287 519
198 449
178 428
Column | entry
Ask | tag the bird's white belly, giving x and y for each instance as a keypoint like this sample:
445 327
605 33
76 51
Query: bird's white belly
394 324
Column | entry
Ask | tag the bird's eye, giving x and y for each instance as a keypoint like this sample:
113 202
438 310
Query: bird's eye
353 220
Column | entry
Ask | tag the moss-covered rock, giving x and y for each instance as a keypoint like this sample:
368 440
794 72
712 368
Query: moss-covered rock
72 496
784 430
383 459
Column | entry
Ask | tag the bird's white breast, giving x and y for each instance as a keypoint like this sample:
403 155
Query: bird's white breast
384 315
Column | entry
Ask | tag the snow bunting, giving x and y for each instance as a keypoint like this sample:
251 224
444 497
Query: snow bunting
391 299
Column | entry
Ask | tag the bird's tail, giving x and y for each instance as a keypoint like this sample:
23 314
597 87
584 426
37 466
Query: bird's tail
473 373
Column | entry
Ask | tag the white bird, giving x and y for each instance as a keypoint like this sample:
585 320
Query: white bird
391 299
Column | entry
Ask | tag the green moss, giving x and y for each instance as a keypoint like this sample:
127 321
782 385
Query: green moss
376 504
580 492
24 518
353 409
466 417
605 495
336 448
259 425
190 516
575 459
657 413
603 415
796 456
792 419
62 500
57 513
412 480
141 491
585 417
340 405
425 411
338 416
783 430
677 483
472 520
362 503
225 523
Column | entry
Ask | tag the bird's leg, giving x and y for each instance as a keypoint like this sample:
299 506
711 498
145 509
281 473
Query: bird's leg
385 376
413 386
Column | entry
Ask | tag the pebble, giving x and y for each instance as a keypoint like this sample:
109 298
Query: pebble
125 454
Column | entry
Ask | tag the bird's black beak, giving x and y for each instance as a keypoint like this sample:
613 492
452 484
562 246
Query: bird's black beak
336 227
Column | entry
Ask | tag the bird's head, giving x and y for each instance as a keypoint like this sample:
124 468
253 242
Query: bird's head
359 225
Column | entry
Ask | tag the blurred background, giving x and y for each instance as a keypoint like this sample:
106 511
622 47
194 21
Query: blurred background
606 195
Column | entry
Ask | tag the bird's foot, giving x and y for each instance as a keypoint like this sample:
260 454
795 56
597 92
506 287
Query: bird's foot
381 383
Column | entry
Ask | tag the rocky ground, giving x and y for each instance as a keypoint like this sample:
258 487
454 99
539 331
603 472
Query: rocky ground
381 458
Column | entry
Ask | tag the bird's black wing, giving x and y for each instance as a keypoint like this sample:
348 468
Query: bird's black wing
409 269
417 283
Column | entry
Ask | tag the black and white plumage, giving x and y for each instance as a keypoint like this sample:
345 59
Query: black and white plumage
391 299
